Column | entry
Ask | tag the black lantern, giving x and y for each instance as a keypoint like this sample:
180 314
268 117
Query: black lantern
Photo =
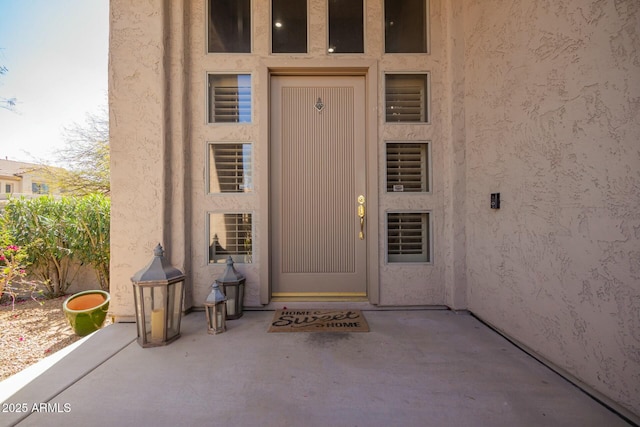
216 310
158 290
232 284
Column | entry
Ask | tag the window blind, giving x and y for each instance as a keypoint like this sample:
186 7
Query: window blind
407 167
408 237
406 97
231 235
230 168
231 104
404 104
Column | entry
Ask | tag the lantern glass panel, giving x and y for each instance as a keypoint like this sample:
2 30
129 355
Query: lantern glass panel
231 292
216 316
156 319
208 309
160 310
175 310
140 312
235 297
221 316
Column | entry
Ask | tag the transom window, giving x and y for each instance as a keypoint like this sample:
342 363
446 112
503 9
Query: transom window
405 22
346 26
405 26
229 26
289 26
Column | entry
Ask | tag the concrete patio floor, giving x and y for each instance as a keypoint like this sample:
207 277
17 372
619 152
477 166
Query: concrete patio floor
414 368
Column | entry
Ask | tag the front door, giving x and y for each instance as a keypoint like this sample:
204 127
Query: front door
318 183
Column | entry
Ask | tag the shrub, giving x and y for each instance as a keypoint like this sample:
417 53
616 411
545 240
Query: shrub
41 227
55 232
89 234
13 264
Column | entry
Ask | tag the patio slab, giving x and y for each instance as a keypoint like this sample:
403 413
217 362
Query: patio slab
414 368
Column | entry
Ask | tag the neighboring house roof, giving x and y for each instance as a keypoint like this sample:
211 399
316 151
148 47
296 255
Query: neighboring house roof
13 169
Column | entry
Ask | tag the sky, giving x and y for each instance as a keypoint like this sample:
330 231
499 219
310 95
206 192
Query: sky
56 53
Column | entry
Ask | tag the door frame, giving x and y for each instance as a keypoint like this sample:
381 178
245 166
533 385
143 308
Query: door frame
320 67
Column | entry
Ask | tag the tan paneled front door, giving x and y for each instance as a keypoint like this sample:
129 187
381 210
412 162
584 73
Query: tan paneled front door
318 175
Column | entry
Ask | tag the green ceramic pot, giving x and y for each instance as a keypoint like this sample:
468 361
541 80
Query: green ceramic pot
86 311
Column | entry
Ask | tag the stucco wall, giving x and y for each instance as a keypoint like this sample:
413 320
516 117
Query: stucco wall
137 113
552 107
158 68
407 284
399 284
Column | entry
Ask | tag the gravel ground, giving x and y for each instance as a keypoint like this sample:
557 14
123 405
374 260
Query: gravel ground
31 331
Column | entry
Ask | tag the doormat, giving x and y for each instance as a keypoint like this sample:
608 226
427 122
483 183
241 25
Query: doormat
318 321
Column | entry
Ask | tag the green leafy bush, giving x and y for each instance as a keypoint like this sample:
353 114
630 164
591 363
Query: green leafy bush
89 234
56 232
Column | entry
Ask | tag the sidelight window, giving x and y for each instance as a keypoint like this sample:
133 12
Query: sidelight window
229 168
229 98
406 98
408 237
408 167
230 234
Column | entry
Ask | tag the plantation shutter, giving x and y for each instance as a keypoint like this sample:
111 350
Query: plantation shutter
234 239
405 103
406 167
238 233
408 237
230 168
229 98
228 104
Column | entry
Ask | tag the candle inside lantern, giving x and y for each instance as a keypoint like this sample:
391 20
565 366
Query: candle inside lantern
157 324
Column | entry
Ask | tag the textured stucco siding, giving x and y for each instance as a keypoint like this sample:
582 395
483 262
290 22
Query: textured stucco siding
406 284
552 116
201 63
137 113
159 134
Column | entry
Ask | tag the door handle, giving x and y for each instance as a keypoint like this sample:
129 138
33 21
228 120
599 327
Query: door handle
361 214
